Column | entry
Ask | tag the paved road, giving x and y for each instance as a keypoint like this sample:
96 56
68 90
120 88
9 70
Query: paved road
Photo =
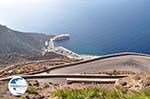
124 62
61 78
135 63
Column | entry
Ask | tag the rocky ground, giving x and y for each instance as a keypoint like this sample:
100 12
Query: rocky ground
43 90
135 82
33 66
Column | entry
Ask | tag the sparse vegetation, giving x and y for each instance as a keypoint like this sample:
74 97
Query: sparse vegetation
21 97
31 90
99 93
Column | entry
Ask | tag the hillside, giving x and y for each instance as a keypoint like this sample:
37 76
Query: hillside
19 42
18 46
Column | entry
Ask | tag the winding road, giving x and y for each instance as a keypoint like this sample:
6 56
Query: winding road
133 62
128 61
125 62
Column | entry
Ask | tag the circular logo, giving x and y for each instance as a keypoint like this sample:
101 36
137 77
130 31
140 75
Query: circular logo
17 85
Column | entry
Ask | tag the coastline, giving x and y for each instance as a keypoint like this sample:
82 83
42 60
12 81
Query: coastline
88 57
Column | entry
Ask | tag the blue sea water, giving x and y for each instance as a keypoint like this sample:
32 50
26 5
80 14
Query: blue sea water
96 26
110 26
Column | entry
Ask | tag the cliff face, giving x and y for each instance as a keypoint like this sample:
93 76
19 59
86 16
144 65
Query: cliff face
18 42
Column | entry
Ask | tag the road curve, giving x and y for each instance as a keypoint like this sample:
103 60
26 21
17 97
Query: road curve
134 62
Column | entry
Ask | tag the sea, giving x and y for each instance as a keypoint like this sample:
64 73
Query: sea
96 27
109 26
